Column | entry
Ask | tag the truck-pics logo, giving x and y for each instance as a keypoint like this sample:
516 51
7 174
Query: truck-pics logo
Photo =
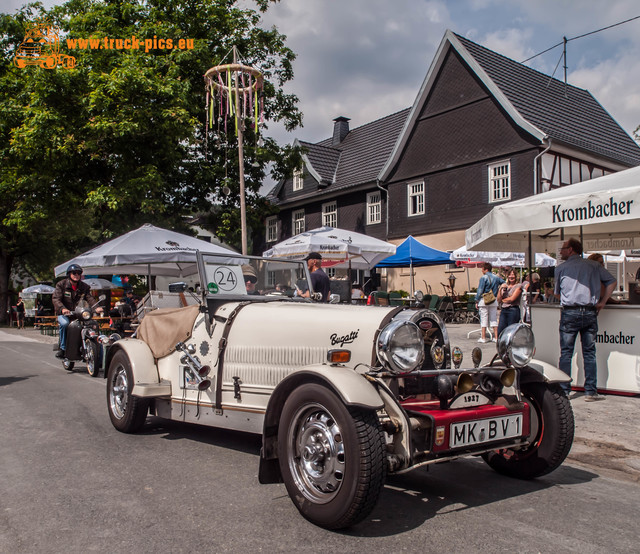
41 46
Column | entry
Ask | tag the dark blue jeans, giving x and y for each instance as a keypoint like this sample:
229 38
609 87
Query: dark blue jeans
508 316
585 322
63 321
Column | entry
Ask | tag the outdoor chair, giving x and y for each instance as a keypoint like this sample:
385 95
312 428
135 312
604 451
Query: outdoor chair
395 299
472 312
446 309
435 302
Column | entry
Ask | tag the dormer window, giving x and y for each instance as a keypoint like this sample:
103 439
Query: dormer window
297 179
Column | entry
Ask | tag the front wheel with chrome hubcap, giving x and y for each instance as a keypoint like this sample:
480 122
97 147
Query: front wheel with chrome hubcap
127 412
332 457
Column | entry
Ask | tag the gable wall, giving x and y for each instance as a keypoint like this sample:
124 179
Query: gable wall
461 129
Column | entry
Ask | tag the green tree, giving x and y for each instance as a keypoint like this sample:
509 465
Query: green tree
92 151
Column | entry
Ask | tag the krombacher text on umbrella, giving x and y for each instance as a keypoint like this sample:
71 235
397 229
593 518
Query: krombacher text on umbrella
591 211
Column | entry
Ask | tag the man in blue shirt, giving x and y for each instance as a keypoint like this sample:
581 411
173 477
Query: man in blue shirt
319 279
578 284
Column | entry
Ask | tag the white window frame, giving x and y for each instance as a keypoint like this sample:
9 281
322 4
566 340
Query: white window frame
499 179
297 222
374 208
272 228
330 214
415 191
298 179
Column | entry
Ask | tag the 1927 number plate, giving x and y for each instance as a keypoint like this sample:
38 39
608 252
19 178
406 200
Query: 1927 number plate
468 433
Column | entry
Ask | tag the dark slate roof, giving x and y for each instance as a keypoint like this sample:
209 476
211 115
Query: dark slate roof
545 106
576 118
366 149
323 159
358 159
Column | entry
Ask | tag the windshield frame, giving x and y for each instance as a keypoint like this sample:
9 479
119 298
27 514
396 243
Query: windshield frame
233 262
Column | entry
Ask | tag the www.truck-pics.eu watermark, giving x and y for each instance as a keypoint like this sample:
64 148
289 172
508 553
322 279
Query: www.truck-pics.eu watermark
133 43
42 42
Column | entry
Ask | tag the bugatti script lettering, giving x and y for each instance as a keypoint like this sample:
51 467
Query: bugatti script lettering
335 339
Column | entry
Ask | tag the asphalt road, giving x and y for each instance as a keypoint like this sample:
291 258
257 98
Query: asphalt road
71 483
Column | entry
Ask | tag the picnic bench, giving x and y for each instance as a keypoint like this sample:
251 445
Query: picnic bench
48 324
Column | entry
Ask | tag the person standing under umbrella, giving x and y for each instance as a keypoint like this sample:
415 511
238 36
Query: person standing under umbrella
579 285
488 312
319 279
509 298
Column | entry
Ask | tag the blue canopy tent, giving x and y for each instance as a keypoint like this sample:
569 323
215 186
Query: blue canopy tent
412 253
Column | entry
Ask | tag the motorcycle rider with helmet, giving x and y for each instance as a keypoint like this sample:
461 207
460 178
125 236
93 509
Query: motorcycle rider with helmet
68 294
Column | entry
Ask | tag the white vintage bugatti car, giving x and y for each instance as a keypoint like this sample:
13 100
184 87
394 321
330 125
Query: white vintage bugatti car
342 395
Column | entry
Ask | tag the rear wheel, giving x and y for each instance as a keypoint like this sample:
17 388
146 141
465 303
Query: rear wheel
127 412
552 427
332 457
92 353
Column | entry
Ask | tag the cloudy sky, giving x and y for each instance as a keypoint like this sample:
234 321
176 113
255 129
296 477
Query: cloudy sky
366 59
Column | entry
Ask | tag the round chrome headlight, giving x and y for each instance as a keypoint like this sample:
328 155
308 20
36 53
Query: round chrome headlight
400 346
516 345
85 315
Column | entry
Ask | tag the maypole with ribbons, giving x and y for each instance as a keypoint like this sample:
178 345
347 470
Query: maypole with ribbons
234 93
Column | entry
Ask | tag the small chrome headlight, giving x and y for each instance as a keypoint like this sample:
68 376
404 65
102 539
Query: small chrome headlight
516 345
400 346
85 314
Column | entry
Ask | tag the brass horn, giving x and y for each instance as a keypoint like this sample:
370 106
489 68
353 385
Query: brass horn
465 382
446 384
505 376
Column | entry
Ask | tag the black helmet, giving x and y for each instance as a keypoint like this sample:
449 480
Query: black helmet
72 268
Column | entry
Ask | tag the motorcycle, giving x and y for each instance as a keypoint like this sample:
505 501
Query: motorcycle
84 342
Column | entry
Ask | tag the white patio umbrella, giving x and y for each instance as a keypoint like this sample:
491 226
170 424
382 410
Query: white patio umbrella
372 250
38 289
500 259
148 250
343 248
332 250
99 284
